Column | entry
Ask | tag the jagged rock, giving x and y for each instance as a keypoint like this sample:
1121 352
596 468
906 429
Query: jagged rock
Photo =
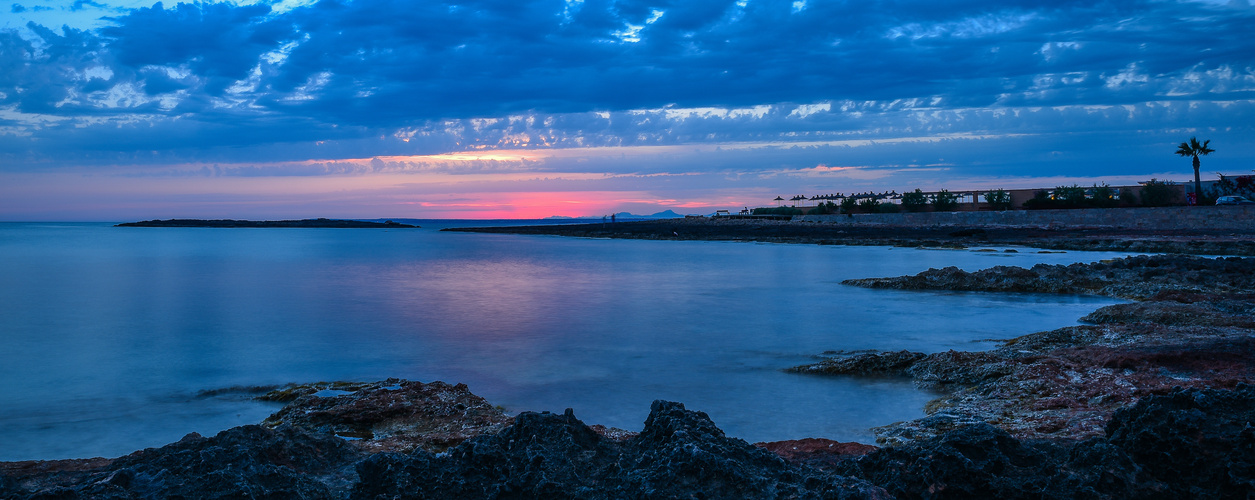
1199 442
243 462
974 461
679 454
392 415
1190 443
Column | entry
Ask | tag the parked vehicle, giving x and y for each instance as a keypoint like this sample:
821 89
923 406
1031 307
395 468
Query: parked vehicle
1233 200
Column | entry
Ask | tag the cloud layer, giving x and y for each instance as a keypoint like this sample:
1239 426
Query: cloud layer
799 83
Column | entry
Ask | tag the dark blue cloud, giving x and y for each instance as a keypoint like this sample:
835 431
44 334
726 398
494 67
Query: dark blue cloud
199 76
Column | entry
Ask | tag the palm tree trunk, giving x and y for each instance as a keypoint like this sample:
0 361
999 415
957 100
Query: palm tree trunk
1198 184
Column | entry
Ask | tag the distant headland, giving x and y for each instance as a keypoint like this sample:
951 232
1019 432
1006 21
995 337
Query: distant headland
265 223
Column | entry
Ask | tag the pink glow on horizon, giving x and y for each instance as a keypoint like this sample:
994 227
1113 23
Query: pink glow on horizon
540 204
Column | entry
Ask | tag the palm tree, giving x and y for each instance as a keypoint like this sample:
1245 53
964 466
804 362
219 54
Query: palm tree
1194 149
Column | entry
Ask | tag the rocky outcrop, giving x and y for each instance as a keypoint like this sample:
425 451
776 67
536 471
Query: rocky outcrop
678 454
392 415
1138 277
1189 443
1186 443
867 363
244 462
1192 328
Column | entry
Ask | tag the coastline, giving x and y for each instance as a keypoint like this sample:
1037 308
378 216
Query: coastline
1192 325
1058 237
1081 409
233 223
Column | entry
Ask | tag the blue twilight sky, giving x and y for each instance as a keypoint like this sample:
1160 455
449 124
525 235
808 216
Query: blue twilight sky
119 109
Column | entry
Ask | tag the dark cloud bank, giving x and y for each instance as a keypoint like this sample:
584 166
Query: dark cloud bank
209 82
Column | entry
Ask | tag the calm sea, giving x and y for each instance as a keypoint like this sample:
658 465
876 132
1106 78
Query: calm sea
109 337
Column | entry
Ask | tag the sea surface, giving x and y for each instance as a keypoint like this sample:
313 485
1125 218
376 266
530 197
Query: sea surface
116 339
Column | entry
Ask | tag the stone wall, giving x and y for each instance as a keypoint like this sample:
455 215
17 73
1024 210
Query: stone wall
1235 218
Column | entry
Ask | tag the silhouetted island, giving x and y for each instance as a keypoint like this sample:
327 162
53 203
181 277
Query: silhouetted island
265 223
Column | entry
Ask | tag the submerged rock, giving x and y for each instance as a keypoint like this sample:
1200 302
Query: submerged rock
873 363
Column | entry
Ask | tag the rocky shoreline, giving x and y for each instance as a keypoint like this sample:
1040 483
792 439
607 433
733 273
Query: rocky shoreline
1193 327
1194 242
1151 399
1186 443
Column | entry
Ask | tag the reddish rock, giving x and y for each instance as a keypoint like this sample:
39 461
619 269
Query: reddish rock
816 451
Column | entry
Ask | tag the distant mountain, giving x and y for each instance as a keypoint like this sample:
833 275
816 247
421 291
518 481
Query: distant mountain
666 214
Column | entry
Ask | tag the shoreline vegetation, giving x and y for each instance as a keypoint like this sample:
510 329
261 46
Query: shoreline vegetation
1147 399
313 223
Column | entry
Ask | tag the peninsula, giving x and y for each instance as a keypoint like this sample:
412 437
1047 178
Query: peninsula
1227 232
339 223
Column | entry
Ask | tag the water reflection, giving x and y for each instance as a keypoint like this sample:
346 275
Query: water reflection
109 333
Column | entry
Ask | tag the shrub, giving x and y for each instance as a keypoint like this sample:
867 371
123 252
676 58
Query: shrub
945 201
1041 200
777 211
1128 197
914 201
824 208
999 199
888 208
1158 194
1104 196
1070 196
869 205
848 205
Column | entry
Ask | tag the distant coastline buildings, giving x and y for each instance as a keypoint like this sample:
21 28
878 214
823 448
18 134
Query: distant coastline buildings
1010 199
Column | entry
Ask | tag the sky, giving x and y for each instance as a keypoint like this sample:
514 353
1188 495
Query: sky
117 110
